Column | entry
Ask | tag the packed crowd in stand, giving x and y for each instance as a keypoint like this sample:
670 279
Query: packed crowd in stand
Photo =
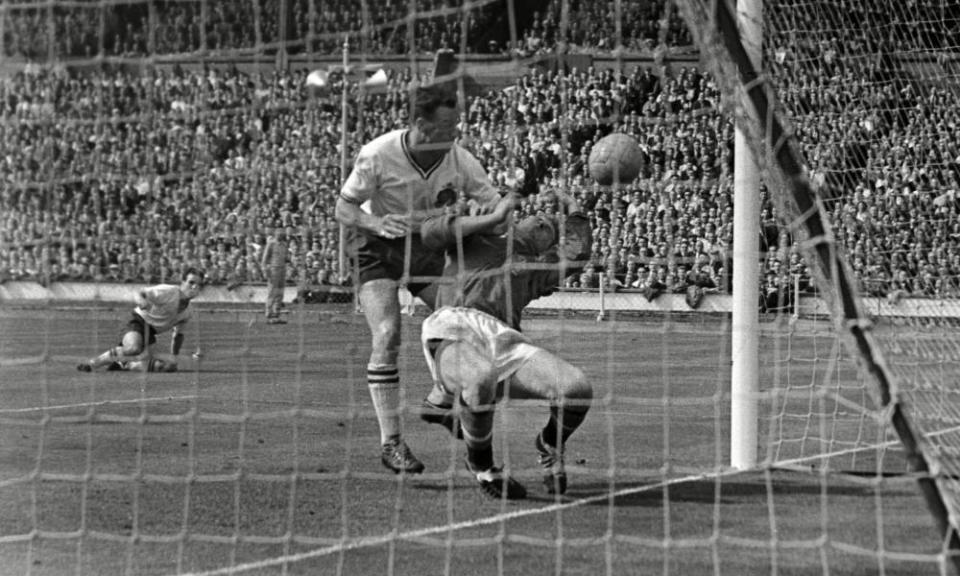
319 26
164 27
111 176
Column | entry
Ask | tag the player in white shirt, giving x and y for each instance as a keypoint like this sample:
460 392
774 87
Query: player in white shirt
398 180
159 309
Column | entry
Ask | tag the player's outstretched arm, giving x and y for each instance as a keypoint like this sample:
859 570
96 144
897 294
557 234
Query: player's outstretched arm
441 232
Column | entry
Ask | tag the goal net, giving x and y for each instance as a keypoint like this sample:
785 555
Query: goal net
855 167
143 138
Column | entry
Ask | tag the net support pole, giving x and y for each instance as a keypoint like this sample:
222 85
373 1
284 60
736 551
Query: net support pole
344 99
744 374
603 305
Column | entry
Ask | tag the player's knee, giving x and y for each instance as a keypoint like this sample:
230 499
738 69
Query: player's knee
132 350
385 338
383 352
477 381
479 394
577 386
132 344
464 370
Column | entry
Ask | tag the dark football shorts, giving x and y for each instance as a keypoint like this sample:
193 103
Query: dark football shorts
137 324
380 258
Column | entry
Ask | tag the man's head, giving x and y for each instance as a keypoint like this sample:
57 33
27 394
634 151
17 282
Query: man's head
436 118
191 283
540 229
544 232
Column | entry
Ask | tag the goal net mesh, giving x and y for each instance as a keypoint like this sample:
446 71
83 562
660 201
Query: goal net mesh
141 138
844 115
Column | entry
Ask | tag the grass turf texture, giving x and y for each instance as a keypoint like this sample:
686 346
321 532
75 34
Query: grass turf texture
267 448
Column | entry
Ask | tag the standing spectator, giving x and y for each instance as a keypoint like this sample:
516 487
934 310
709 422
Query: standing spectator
589 278
776 295
274 265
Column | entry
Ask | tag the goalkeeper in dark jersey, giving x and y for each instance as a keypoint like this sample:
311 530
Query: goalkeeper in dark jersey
473 344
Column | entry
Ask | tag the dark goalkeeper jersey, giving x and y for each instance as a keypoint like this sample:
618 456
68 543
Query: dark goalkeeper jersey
484 280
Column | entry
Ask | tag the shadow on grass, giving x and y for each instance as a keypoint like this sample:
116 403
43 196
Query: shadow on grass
730 491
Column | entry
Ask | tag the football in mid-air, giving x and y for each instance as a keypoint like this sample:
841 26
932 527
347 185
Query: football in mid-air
615 158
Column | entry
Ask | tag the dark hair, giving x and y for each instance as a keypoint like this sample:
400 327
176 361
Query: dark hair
192 270
428 98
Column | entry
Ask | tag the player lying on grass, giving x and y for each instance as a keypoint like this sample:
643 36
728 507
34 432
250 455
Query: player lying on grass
473 344
159 309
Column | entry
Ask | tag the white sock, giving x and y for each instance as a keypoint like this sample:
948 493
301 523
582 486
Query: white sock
384 384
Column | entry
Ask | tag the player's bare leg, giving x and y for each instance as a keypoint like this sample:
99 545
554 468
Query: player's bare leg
130 348
438 407
439 397
148 364
470 375
381 308
550 377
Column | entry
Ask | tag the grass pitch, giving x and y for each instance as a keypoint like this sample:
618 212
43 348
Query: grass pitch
263 456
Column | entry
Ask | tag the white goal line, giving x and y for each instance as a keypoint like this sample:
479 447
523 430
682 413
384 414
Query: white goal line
95 404
358 543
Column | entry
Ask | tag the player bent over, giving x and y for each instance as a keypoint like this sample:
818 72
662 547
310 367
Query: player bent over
473 344
159 309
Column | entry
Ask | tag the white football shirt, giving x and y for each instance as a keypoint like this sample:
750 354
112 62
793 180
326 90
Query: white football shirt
386 177
162 310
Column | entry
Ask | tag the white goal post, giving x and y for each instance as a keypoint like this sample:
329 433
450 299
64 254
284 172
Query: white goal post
727 50
744 361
